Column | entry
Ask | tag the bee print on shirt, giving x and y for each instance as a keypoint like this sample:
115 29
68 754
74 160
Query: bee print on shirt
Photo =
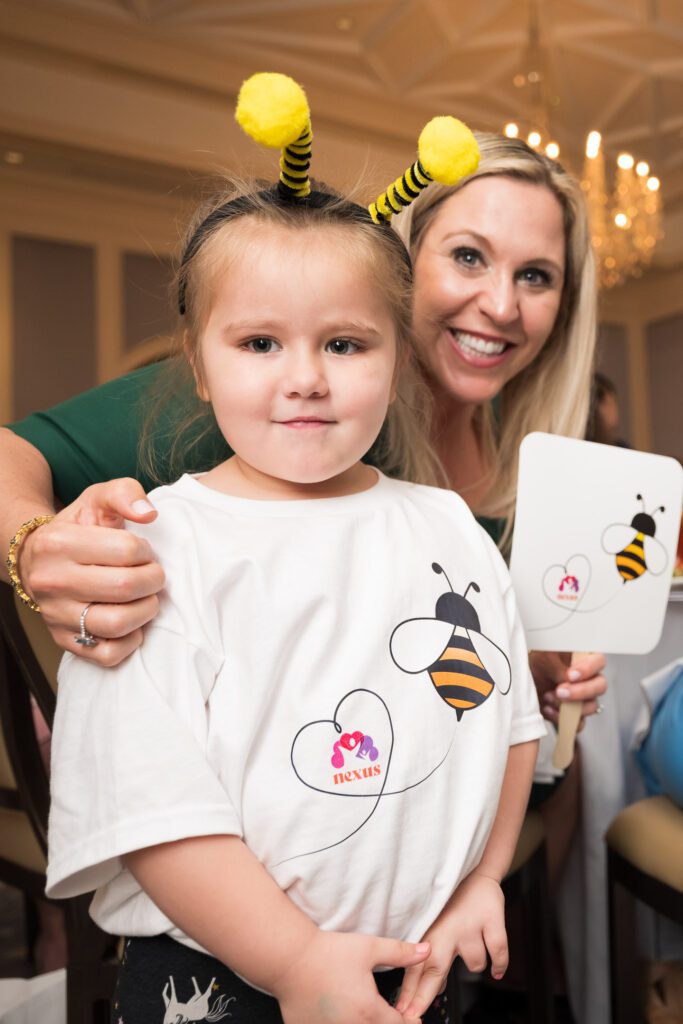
462 662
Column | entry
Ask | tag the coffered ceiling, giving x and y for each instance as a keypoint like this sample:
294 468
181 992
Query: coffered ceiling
149 83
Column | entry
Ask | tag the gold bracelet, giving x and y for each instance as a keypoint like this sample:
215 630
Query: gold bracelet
11 561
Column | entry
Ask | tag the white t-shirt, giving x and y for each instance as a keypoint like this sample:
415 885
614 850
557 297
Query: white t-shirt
274 698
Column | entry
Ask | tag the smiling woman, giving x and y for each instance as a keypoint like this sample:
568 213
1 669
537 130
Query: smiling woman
489 291
505 314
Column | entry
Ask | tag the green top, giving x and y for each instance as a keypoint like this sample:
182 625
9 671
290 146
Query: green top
94 437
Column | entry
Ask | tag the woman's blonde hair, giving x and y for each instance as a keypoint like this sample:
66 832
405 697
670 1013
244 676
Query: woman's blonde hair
217 237
552 394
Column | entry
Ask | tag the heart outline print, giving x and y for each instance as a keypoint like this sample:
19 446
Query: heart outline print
339 731
348 743
353 742
568 568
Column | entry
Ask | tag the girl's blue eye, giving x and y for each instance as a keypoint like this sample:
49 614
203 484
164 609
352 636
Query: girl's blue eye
342 346
467 257
263 345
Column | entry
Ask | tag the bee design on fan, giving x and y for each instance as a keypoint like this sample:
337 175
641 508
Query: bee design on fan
636 548
461 661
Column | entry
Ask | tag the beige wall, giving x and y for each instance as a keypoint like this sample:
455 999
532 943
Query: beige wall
53 313
646 322
79 283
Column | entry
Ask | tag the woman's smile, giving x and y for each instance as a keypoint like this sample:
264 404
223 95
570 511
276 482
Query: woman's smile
478 349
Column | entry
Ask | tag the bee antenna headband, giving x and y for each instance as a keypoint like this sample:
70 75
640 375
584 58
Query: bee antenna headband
447 151
273 110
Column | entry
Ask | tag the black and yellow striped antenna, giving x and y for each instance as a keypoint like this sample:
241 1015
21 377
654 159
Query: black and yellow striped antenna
447 152
273 109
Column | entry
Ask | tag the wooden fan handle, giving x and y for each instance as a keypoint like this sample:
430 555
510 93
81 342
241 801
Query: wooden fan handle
570 716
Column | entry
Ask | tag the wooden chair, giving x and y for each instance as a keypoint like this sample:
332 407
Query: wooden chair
527 882
644 862
28 667
22 859
23 800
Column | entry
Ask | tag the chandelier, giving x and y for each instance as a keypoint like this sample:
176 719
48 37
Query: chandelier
624 208
626 222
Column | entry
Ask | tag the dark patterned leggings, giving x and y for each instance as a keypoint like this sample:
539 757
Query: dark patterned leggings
161 981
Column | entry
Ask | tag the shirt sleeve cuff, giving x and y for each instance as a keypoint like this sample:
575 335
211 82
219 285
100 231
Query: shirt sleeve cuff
530 727
96 862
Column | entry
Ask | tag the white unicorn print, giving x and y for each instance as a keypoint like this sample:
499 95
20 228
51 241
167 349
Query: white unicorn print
196 1008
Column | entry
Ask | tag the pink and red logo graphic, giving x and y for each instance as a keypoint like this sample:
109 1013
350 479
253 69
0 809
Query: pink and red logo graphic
363 748
568 589
350 741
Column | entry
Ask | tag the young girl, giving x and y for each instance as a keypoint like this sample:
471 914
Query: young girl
329 733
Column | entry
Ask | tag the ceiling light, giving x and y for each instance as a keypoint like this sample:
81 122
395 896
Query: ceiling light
593 145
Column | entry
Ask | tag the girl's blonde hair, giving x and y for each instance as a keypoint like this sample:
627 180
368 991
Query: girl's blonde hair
215 240
552 394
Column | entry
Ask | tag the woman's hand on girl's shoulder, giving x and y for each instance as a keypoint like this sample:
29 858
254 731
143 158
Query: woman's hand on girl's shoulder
83 556
331 979
568 677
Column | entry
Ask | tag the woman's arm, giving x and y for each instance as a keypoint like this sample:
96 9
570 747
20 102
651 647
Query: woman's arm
88 439
25 486
95 435
217 892
472 923
83 556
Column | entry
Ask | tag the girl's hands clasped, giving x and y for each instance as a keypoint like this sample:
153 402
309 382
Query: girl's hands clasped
330 979
84 556
471 926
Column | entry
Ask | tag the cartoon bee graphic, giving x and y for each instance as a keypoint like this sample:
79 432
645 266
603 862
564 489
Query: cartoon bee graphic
636 548
461 661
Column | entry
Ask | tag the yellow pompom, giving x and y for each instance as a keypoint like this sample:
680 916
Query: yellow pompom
273 109
448 150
